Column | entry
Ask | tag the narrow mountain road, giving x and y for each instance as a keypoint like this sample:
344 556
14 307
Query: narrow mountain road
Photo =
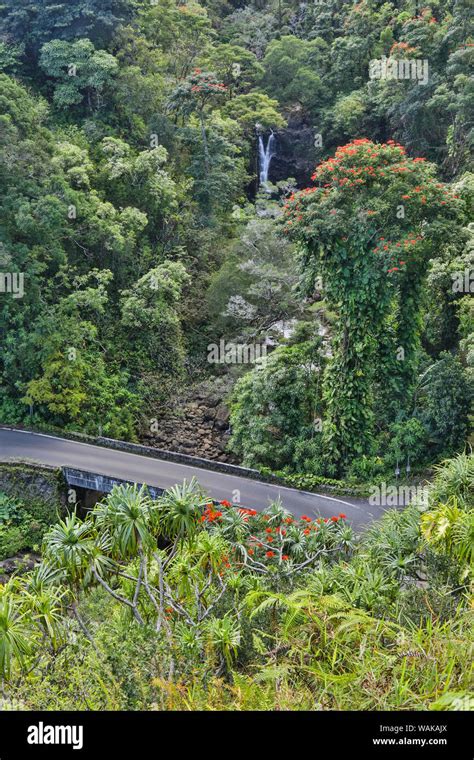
60 452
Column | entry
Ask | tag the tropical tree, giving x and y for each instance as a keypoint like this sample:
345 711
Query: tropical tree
80 71
368 229
150 316
277 409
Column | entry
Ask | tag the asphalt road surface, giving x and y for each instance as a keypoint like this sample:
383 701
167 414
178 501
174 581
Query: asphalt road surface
60 452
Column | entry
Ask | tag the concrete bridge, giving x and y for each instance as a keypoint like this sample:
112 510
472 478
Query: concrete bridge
89 481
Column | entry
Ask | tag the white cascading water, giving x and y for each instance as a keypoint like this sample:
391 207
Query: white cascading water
265 156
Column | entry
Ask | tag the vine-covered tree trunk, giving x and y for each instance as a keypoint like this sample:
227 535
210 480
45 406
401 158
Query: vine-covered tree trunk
349 381
408 335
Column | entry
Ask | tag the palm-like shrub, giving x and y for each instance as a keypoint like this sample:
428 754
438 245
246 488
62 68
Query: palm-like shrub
15 636
181 510
47 608
223 637
128 516
234 525
450 530
68 546
210 551
455 477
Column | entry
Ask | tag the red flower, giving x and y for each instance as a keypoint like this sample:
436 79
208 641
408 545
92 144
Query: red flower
335 519
270 554
226 503
342 516
249 512
285 556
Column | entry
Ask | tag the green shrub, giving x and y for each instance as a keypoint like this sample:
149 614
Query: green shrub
11 540
275 406
366 468
444 403
454 478
20 529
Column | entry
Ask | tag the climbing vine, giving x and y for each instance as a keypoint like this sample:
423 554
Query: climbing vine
367 229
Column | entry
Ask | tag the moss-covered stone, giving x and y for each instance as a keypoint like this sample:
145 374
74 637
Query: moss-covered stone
40 488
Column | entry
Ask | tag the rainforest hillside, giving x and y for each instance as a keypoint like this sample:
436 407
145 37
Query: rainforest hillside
150 156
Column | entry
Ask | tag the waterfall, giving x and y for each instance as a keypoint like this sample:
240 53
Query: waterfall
265 155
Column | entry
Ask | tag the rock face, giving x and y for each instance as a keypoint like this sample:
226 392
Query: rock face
20 563
41 487
197 423
295 153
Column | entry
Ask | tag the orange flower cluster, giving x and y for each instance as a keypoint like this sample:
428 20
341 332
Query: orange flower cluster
403 47
352 176
247 512
210 514
266 539
206 83
388 245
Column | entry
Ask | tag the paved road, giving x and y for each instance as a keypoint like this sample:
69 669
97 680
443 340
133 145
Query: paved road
60 452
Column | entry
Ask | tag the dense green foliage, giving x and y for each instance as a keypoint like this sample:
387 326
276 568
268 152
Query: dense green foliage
127 162
277 407
245 610
364 190
135 234
22 526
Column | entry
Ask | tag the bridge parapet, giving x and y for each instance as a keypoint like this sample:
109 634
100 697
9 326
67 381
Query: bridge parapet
102 483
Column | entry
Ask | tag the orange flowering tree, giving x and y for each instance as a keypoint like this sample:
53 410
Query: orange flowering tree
273 542
368 229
